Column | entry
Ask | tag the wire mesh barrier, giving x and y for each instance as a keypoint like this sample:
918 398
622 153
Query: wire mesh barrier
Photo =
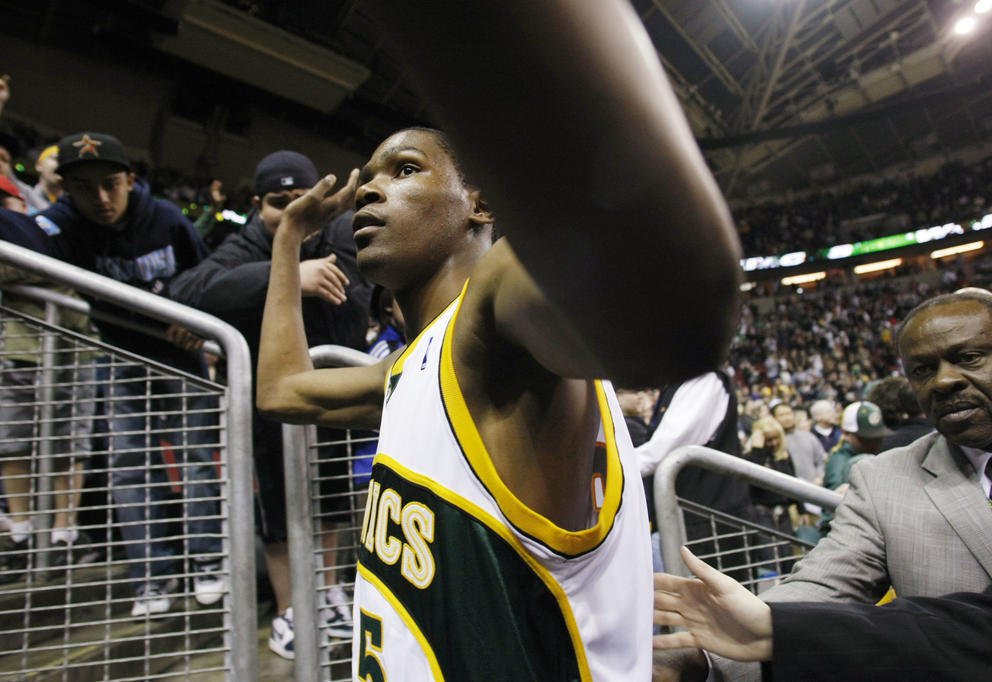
125 531
751 550
325 525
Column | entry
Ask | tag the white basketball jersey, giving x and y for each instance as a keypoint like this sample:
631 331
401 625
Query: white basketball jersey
458 580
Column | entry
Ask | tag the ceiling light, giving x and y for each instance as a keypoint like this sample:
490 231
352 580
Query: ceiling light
877 265
983 6
965 25
955 250
803 279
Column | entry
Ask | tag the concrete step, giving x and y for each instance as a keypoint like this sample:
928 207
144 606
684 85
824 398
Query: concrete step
120 649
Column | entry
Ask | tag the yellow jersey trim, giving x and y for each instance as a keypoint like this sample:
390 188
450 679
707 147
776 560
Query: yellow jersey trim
407 619
397 366
525 519
500 529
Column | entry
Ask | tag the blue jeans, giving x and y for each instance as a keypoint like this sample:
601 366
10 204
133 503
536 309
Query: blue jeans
148 418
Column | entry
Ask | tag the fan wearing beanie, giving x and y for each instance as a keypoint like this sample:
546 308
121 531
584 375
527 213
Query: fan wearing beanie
231 284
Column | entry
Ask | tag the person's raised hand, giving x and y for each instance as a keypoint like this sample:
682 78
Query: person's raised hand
719 614
322 277
312 211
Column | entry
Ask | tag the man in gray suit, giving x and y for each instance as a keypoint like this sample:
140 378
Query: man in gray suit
918 517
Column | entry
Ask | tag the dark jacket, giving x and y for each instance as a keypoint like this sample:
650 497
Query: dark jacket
911 638
232 282
908 430
155 243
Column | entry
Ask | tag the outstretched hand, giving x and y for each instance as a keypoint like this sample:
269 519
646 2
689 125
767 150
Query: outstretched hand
312 211
719 613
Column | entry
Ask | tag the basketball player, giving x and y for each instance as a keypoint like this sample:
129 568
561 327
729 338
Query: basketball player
505 534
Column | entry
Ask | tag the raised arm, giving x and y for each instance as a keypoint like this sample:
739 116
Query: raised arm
289 388
581 147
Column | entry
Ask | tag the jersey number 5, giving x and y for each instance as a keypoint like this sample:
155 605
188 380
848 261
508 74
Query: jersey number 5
369 665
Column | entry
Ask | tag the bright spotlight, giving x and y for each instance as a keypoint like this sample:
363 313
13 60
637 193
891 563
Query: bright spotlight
965 26
983 6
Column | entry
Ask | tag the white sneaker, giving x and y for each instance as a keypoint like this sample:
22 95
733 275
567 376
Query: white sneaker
336 613
154 598
281 639
208 585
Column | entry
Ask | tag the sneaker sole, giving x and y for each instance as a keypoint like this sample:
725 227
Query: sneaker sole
278 650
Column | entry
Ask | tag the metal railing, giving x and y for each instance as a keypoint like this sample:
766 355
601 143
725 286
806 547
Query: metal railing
323 525
752 552
160 481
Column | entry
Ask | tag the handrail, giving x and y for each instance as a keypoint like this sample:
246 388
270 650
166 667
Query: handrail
299 517
670 523
243 615
78 305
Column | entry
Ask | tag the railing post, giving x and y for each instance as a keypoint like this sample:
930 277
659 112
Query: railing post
45 431
299 524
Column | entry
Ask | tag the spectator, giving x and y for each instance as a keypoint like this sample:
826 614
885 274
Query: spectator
864 428
49 187
911 424
71 417
108 223
389 328
808 456
231 284
10 147
701 411
772 510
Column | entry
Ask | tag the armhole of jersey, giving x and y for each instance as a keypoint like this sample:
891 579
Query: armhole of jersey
523 518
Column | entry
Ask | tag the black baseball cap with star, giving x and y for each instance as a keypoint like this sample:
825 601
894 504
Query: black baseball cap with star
89 147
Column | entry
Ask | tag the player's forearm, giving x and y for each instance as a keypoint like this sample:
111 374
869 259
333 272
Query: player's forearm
283 351
580 144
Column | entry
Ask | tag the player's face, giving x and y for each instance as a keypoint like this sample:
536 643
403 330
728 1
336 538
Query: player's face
272 205
413 210
946 353
99 191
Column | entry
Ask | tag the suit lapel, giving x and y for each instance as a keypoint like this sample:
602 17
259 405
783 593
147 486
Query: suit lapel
956 494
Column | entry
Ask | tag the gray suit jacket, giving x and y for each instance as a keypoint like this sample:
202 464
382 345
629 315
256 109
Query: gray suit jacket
914 518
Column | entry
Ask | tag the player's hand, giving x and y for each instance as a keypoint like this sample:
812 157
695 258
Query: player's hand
310 212
719 613
183 338
322 277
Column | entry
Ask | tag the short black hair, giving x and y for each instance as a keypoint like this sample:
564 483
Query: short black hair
982 296
444 142
887 394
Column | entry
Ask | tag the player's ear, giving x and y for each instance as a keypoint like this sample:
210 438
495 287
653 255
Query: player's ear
481 215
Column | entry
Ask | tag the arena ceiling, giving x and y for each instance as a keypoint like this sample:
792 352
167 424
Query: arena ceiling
781 94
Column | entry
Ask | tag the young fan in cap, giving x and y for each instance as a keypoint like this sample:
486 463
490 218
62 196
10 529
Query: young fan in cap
231 283
49 187
109 223
863 430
